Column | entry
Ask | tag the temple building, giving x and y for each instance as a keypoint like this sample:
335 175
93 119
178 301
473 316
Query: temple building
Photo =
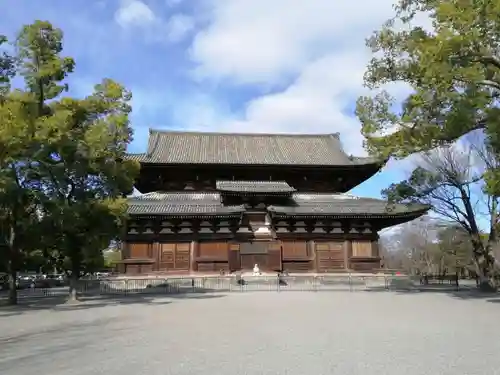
223 202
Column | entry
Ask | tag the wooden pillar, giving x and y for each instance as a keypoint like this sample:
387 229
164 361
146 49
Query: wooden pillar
155 254
311 254
192 256
347 253
375 249
234 257
125 250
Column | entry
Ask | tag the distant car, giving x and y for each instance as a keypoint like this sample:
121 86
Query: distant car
42 283
56 280
102 275
25 281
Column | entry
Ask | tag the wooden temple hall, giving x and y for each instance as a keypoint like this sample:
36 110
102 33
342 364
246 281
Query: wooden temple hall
217 202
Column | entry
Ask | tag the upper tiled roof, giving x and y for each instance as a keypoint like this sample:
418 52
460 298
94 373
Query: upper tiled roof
180 204
344 204
254 186
172 147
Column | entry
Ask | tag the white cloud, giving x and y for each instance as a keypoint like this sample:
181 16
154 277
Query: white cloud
178 26
263 41
315 102
134 13
314 49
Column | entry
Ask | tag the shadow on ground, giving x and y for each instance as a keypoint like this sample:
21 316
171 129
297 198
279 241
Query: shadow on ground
463 292
60 303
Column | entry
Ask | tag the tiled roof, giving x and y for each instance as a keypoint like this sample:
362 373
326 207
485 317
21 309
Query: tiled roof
254 186
180 204
246 149
344 204
181 197
302 204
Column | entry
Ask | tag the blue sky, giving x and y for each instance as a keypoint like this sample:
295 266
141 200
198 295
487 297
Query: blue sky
215 65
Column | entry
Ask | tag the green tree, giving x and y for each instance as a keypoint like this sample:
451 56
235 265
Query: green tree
71 152
19 198
454 73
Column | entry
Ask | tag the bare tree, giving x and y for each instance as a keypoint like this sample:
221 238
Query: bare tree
413 246
451 180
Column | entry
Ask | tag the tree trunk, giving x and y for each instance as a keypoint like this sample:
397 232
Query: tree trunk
485 266
74 278
13 267
73 287
12 285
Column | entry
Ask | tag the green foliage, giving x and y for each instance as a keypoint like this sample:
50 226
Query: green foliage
7 69
453 70
111 258
63 171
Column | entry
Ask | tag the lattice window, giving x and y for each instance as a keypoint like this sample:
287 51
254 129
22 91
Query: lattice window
361 248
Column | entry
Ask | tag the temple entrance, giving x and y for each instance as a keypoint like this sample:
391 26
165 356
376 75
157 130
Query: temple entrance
267 255
330 256
174 256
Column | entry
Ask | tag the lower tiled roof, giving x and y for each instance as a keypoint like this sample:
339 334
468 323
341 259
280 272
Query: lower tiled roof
191 197
254 186
181 204
301 204
343 204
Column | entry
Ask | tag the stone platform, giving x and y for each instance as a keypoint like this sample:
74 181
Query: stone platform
250 274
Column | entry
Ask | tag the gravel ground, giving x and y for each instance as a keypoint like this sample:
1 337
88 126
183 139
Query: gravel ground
289 333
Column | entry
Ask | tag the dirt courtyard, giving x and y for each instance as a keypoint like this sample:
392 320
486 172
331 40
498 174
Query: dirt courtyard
293 333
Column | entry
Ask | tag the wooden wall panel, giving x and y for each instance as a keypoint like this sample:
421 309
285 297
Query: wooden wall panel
375 249
139 250
211 267
365 266
294 250
298 266
362 249
146 269
139 269
214 250
132 269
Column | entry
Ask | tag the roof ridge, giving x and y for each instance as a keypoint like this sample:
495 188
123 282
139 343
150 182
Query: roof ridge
193 132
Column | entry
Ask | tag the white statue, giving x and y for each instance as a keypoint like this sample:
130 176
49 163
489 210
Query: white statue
256 270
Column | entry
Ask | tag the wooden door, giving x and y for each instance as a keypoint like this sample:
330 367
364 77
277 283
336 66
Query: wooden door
330 256
182 258
174 256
